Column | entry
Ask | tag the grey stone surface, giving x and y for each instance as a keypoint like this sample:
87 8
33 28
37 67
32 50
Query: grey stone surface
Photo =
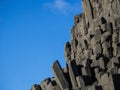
86 71
80 81
36 87
104 79
93 53
44 83
59 76
73 72
68 51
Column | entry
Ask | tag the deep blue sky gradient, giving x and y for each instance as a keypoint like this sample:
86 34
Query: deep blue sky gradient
32 37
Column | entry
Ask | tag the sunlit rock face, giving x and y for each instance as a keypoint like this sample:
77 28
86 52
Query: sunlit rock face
93 54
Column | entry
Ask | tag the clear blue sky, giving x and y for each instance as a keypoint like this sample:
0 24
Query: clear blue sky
32 36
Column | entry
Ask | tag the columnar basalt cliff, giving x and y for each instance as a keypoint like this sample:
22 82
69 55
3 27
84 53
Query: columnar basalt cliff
93 54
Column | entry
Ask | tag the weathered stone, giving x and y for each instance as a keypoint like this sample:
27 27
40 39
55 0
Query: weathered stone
115 38
74 44
95 63
65 70
96 70
73 72
76 89
86 63
92 88
44 83
107 87
86 71
106 45
102 63
104 29
104 79
115 6
116 49
114 70
93 54
84 44
110 65
108 52
67 51
88 10
114 81
76 19
73 32
49 86
106 36
88 53
119 35
36 87
59 75
109 27
97 49
80 81
56 88
97 35
119 71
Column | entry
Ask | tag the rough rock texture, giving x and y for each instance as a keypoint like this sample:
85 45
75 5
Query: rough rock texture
93 54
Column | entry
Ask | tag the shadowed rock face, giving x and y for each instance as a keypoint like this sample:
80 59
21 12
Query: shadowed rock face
93 54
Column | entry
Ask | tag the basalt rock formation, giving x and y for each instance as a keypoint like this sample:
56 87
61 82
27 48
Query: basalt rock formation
93 54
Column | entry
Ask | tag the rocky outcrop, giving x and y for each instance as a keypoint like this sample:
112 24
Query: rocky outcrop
93 54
